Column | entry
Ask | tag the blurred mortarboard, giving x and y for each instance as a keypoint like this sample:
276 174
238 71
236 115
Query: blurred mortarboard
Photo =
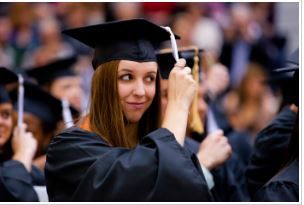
135 40
166 61
41 104
53 70
6 77
287 78
293 63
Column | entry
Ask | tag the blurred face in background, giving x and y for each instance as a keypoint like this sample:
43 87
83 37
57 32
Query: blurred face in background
126 10
34 125
254 82
49 30
69 87
201 103
6 122
5 30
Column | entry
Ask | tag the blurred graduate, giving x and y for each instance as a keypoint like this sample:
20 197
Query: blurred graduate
213 149
17 150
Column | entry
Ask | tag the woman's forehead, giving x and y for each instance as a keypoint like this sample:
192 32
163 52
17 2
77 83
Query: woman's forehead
6 105
134 66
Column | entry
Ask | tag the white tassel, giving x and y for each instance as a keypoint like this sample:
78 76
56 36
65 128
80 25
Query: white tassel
20 100
173 43
66 114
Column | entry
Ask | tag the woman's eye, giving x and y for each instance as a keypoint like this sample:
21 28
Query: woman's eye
150 79
126 77
5 114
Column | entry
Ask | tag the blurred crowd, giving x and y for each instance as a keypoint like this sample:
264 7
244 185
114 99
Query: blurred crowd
234 34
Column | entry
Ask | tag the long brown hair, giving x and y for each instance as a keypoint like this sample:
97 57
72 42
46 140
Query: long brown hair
106 116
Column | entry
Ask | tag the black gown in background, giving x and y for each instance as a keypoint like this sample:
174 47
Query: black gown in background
269 150
82 167
229 178
16 183
284 187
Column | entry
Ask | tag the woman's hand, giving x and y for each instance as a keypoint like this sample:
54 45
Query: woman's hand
24 146
181 86
181 90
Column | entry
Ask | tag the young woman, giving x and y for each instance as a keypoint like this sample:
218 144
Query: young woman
17 149
126 154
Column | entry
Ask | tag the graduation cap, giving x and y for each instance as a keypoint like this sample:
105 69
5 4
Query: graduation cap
288 78
135 40
166 60
6 77
293 65
47 73
41 104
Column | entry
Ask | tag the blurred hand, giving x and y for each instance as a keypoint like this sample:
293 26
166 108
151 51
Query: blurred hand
214 150
217 79
40 161
24 146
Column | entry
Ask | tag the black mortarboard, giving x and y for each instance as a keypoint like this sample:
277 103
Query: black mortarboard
293 63
135 40
41 104
6 77
288 78
166 61
53 70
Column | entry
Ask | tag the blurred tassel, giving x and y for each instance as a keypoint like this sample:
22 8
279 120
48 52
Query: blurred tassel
66 114
196 123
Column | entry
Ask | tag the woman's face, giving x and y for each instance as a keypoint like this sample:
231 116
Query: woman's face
136 87
6 122
69 87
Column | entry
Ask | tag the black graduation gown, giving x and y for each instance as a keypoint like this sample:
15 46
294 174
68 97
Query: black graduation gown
269 150
284 187
16 183
239 141
82 167
230 181
241 145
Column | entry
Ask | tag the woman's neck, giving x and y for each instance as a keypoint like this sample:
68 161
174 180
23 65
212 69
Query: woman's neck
132 133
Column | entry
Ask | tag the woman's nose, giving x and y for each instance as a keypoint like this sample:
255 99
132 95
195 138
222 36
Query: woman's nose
139 88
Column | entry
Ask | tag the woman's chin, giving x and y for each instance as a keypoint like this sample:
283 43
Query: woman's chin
134 119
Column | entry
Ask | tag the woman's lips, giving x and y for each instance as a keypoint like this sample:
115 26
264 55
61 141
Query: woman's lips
136 105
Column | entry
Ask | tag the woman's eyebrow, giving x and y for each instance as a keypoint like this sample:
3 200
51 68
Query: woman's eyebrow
125 69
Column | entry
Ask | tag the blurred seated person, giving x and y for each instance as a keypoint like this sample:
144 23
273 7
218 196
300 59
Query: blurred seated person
251 106
272 143
227 176
42 113
51 45
17 150
60 79
284 185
